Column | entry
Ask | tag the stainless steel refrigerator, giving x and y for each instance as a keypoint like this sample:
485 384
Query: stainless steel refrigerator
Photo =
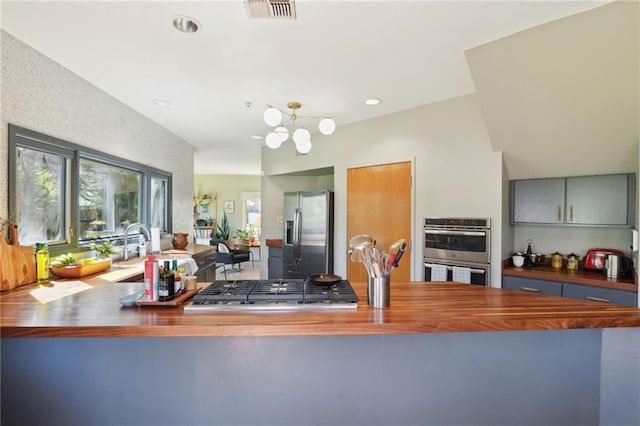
308 233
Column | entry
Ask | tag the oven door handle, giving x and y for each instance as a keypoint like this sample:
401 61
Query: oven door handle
451 232
450 268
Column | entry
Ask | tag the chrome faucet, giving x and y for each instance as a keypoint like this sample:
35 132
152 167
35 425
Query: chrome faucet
126 236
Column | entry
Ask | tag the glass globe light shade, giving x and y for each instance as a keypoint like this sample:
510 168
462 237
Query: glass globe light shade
327 126
273 140
272 116
301 135
303 147
283 132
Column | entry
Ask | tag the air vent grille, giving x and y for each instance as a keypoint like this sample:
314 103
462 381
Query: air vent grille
272 9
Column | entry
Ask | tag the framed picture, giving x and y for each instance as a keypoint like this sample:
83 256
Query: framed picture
229 207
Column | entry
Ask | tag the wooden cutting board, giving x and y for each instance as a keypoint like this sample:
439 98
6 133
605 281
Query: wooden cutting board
17 263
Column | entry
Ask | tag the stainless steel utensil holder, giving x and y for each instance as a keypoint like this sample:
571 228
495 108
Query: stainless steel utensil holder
378 292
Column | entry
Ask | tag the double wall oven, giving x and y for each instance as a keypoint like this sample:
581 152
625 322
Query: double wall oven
455 246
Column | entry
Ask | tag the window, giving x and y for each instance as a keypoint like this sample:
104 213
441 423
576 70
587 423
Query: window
159 204
41 208
251 212
108 199
56 187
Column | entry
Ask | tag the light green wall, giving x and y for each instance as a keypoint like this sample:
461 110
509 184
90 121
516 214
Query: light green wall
227 188
561 99
455 171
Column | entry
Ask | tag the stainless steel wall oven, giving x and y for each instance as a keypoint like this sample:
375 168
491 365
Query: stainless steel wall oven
457 247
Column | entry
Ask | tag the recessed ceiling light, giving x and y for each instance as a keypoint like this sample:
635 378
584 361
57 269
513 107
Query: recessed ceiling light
373 101
161 102
186 24
257 137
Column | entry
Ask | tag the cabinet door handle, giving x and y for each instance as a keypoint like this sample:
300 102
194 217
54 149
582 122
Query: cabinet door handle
559 213
571 214
535 290
598 299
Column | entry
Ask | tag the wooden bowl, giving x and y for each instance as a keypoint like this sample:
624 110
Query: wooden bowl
77 271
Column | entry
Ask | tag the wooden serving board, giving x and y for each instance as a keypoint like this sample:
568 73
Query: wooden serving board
17 265
175 302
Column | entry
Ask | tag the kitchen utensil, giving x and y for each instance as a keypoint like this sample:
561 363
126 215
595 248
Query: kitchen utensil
389 262
324 279
556 260
376 260
362 243
518 261
528 260
17 263
535 258
403 247
130 300
358 256
595 258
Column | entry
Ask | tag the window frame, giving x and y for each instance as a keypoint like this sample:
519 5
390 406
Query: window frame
22 137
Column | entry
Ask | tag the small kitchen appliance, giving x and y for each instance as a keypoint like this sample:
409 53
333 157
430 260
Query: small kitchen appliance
595 258
617 266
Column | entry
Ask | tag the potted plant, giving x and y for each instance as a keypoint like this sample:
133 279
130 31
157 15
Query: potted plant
104 249
242 235
222 233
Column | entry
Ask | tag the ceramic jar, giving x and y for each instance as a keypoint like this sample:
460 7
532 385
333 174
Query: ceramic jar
556 260
180 240
572 261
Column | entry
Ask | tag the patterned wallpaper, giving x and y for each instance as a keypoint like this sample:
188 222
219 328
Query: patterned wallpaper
39 94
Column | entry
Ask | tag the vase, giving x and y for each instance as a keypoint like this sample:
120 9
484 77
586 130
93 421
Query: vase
179 240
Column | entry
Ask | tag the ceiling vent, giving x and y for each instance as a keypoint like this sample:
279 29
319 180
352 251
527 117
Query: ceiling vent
272 9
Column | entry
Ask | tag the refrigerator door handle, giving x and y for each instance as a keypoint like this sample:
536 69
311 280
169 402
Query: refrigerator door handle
296 235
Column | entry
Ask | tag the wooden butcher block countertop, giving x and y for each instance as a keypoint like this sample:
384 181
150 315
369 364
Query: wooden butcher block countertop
416 307
578 276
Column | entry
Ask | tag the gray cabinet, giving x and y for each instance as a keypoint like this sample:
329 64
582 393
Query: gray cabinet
604 200
206 262
597 200
600 294
573 291
529 285
538 201
275 263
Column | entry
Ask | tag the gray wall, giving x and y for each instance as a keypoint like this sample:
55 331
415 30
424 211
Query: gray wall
620 377
497 378
41 95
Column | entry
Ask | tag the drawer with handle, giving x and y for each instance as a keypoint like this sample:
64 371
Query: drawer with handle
600 294
530 285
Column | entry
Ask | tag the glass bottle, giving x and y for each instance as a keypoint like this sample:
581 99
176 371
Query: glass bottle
42 263
166 285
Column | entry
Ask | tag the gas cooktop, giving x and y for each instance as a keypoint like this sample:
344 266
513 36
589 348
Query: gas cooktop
282 294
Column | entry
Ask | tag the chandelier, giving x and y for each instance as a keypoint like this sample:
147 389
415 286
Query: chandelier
282 129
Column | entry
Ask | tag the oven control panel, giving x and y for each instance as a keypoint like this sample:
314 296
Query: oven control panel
457 222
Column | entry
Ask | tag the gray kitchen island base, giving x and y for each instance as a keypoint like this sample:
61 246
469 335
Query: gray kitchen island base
567 377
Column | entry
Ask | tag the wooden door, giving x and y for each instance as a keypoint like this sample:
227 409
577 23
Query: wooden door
379 205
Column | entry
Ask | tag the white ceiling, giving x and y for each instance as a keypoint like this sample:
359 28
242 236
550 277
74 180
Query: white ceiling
331 58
